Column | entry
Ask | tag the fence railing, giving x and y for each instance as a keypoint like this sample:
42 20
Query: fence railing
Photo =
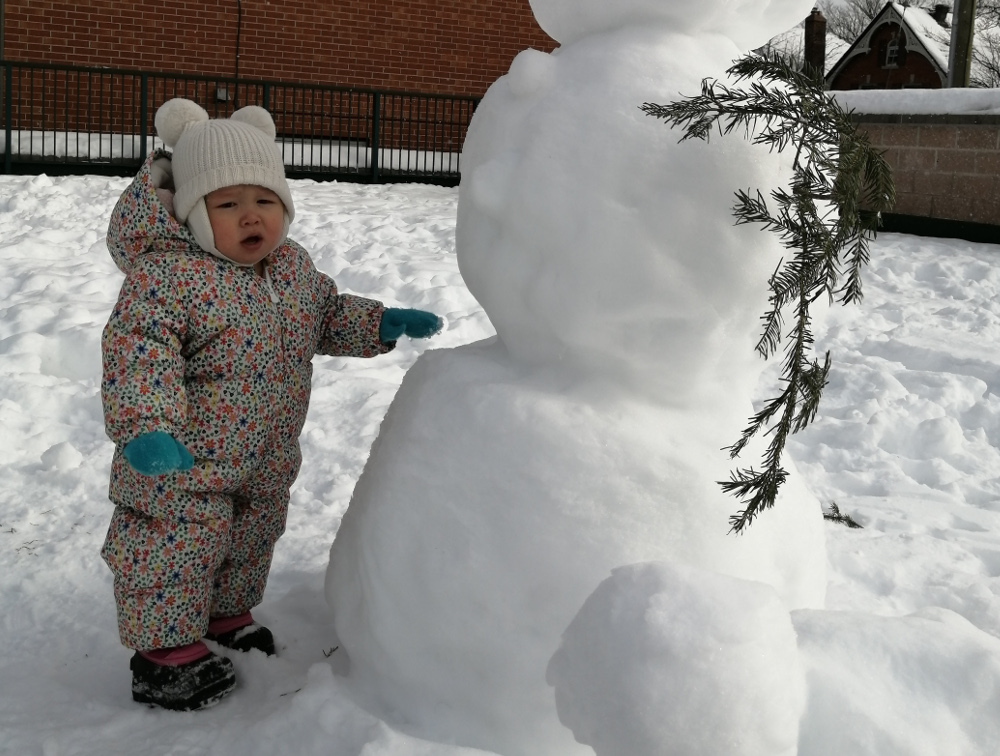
72 119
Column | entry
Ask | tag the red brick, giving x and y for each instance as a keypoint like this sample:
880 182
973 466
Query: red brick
394 44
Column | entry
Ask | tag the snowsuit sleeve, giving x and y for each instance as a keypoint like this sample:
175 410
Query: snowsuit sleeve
141 347
350 323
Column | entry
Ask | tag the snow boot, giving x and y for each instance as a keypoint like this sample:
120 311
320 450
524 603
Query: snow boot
240 633
171 680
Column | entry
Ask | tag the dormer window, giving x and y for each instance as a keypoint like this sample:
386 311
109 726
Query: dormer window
892 54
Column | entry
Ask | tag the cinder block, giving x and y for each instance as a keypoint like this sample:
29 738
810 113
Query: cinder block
912 204
969 137
988 162
916 159
899 135
956 161
938 136
933 182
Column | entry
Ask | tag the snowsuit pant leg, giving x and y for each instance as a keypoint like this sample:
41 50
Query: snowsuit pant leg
257 523
259 512
164 546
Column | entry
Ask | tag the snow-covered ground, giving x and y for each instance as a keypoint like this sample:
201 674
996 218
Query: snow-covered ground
297 153
907 443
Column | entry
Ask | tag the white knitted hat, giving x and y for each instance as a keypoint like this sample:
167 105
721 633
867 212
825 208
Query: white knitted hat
210 154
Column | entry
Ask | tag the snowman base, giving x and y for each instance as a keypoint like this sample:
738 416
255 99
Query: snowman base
494 502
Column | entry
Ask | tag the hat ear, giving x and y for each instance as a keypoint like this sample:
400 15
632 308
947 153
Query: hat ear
256 116
174 116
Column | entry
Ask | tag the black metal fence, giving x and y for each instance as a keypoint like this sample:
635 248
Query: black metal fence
71 119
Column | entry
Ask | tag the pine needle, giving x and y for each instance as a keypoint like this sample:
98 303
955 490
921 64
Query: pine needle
826 217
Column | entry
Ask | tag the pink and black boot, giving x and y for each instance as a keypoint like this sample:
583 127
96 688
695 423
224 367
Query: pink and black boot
185 678
240 633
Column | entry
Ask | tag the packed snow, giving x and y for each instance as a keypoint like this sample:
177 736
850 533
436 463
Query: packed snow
907 443
967 102
589 434
675 628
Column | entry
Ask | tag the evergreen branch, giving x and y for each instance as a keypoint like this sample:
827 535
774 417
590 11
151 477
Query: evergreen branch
825 218
760 488
834 515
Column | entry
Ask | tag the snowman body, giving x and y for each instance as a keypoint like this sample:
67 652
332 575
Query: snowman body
511 476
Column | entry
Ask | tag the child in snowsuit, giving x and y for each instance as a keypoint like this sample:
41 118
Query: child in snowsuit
207 369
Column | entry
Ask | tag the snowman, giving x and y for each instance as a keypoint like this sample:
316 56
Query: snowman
510 476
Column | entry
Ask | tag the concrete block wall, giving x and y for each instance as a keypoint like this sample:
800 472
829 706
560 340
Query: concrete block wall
946 167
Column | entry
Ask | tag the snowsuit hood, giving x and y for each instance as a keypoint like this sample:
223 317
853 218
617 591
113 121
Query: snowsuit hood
141 221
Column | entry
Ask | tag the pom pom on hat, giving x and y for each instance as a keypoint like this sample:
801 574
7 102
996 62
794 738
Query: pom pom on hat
213 153
175 115
254 115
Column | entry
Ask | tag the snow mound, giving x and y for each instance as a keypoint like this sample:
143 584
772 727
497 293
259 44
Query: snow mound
667 660
748 22
921 685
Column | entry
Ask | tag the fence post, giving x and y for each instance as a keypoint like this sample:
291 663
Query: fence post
8 79
266 98
143 114
376 127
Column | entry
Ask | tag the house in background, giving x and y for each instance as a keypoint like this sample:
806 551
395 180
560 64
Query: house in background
902 47
455 47
808 42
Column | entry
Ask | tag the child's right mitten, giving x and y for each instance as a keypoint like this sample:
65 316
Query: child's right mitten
156 453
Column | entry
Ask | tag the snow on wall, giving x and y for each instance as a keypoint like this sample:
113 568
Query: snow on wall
921 101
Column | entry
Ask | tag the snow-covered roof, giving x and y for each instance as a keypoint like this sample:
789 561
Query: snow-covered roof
922 31
792 42
934 38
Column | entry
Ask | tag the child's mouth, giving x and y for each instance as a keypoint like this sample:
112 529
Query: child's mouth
252 241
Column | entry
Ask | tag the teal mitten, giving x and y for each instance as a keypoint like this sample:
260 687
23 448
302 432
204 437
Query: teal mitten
156 453
417 324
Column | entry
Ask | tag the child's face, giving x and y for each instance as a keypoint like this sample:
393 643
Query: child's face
247 222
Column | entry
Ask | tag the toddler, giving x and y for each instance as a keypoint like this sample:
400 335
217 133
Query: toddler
207 369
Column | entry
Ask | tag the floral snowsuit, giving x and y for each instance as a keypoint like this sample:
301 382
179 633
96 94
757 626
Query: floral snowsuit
220 358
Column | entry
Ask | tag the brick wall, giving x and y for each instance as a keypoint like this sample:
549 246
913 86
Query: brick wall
434 46
945 167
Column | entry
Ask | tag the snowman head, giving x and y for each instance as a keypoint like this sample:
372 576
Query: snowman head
747 22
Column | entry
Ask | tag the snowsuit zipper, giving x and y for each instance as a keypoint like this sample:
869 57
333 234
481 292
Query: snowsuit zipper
270 287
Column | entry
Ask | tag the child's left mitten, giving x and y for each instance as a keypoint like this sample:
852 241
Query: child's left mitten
156 453
417 324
